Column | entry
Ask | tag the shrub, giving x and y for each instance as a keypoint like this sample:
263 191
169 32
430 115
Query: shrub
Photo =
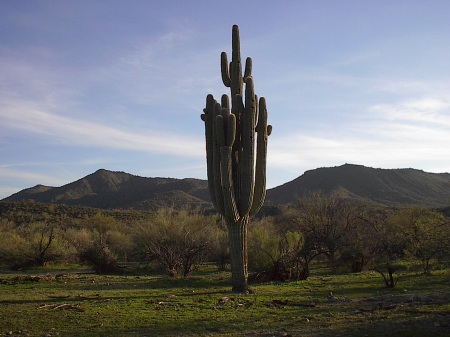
95 243
179 241
273 253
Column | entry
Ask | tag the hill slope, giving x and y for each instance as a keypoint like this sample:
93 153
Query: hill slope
118 190
108 190
393 187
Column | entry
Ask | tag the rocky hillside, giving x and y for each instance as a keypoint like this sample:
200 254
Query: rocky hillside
109 190
392 187
118 190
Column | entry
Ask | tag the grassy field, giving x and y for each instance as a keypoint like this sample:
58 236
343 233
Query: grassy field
60 303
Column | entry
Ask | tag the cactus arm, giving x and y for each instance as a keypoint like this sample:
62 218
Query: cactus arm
230 209
224 69
247 158
216 160
231 130
237 109
207 117
248 68
225 102
235 43
235 65
225 134
220 131
226 123
263 131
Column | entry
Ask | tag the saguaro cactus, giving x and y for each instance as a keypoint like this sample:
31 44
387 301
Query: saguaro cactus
236 180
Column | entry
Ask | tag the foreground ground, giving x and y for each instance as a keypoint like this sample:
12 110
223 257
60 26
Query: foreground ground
62 303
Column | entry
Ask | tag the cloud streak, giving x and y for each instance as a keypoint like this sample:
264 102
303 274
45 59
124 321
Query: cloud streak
428 110
13 175
11 172
31 118
411 133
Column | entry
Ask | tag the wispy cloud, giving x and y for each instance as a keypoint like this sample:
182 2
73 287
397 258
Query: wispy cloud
410 133
162 69
428 110
11 172
32 119
14 179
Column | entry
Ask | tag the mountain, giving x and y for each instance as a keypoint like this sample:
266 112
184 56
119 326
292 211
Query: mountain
392 187
118 190
110 190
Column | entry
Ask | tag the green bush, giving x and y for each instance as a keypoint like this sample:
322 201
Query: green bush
179 240
273 253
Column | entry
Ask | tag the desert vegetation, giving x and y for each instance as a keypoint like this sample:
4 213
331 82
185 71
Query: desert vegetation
54 302
319 228
321 266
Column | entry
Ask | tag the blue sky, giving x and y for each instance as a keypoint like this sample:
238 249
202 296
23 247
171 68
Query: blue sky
121 85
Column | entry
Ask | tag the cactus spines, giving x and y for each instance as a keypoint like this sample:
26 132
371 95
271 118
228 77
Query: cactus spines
236 176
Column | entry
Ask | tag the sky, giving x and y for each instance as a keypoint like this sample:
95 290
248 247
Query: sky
121 85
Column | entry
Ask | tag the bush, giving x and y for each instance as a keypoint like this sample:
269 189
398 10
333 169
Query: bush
179 241
101 258
34 244
15 251
96 243
273 254
220 251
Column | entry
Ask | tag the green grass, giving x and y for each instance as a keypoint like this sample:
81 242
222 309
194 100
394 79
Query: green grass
78 304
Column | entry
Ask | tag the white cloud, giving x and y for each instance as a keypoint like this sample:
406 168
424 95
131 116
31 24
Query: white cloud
427 104
409 133
424 111
11 173
14 180
31 118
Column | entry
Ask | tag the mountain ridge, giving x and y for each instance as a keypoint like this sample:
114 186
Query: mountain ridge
394 187
119 190
115 189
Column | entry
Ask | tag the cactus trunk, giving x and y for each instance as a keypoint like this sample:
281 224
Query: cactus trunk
236 179
237 236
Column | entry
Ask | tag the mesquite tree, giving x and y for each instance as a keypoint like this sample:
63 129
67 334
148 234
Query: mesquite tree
236 179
